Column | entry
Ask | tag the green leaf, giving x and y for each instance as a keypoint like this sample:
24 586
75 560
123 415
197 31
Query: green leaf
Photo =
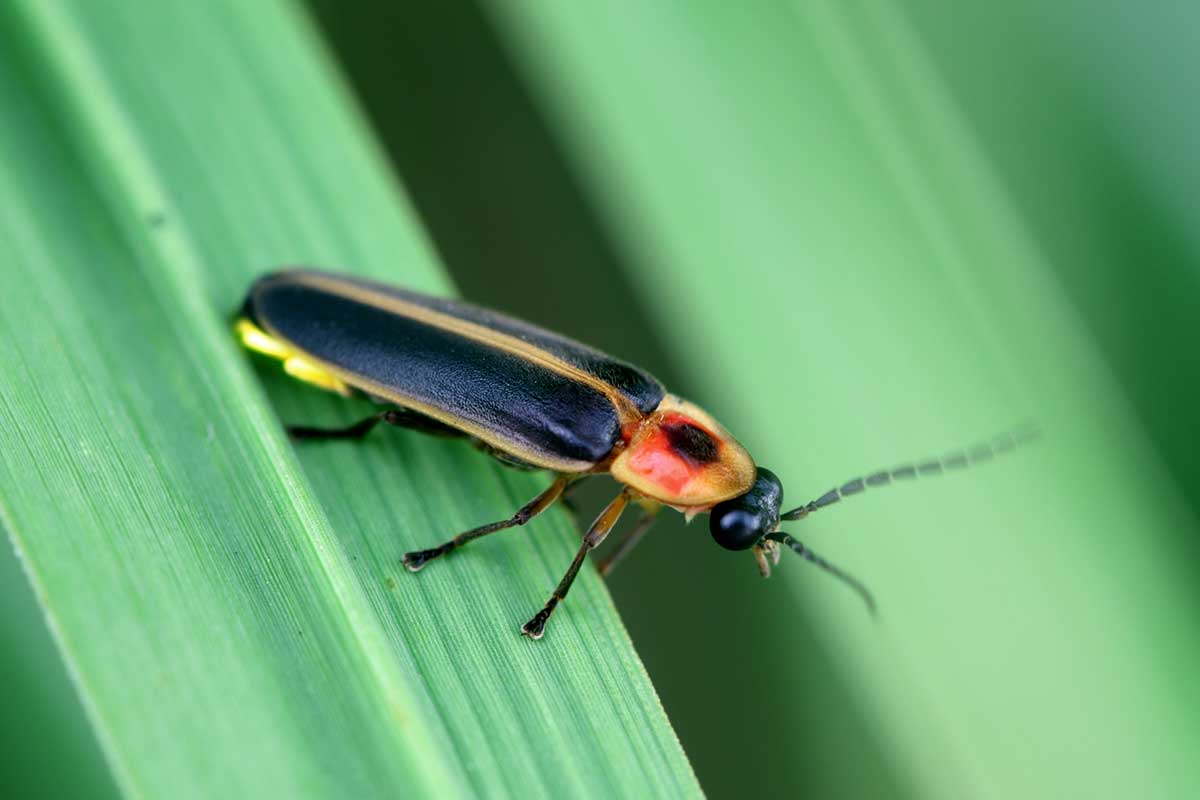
235 617
846 279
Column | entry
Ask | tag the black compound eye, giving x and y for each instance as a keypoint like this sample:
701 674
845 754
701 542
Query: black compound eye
734 527
740 522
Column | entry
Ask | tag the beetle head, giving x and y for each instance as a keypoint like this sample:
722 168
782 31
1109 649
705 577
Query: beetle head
741 522
751 520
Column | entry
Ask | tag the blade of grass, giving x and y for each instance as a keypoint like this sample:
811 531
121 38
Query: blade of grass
795 177
49 746
236 621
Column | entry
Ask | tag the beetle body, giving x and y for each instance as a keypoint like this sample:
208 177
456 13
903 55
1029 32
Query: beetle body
530 397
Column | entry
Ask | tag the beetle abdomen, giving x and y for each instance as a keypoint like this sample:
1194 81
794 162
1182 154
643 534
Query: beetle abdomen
457 365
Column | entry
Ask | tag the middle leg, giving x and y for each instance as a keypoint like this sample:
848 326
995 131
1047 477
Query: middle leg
400 417
419 558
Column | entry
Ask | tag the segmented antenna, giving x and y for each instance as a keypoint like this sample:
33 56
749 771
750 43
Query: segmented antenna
809 555
957 459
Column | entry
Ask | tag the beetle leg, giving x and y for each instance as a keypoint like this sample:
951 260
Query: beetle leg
419 558
595 535
400 417
630 541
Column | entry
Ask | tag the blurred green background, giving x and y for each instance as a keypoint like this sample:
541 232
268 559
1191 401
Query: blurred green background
1084 118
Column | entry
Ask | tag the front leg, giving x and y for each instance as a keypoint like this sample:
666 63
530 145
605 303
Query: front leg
631 539
595 535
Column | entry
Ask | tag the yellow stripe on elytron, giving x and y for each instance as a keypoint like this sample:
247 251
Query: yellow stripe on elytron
626 411
313 371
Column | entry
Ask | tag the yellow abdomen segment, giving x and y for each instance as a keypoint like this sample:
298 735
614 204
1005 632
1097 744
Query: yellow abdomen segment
256 339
